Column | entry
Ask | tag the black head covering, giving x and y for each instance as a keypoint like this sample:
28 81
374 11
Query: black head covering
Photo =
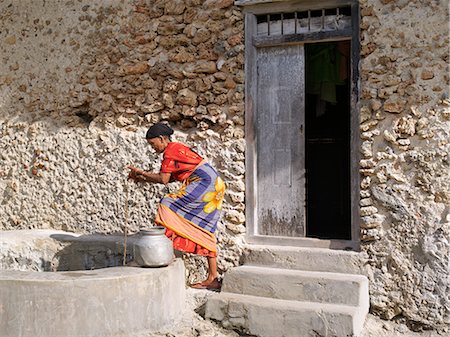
159 129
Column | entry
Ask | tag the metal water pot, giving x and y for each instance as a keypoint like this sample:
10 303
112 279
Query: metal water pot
153 248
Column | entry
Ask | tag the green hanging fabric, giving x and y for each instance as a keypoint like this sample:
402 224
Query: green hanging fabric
323 71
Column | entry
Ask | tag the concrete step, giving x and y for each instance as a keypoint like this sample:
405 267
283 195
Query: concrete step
301 258
268 317
321 287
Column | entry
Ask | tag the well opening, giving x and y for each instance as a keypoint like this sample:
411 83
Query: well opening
51 251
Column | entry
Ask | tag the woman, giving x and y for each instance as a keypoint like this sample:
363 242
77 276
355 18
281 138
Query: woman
191 214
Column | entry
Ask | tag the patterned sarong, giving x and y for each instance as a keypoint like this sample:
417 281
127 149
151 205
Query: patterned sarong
194 210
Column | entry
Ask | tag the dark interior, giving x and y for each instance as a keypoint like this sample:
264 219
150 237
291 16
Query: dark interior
328 140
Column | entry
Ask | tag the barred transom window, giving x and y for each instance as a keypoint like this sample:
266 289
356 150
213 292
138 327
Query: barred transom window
301 22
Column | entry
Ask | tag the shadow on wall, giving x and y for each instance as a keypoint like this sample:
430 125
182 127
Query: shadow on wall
91 251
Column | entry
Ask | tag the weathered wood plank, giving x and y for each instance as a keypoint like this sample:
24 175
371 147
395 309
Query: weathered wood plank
355 137
264 41
250 124
278 6
280 141
302 26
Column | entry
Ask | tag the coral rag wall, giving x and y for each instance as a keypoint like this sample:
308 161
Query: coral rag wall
405 171
81 81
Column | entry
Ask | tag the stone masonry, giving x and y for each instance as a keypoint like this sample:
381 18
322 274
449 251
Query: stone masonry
405 175
81 81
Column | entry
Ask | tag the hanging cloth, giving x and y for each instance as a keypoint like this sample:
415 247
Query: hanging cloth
324 71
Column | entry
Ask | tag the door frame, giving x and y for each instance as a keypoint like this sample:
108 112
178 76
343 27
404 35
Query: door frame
256 7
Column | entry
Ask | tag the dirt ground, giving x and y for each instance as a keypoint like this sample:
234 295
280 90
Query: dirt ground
194 325
376 327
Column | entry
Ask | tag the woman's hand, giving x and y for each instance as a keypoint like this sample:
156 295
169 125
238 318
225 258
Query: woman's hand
132 176
139 175
135 174
135 170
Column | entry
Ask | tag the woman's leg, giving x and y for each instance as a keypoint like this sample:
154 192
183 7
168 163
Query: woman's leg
212 269
212 281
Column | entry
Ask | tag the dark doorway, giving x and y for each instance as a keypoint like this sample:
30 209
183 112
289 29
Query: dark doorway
327 131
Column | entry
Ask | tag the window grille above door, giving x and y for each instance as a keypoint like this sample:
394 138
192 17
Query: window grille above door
303 22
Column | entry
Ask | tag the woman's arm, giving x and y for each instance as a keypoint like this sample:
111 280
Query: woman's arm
140 175
162 178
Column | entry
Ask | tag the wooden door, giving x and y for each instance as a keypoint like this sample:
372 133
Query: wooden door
280 141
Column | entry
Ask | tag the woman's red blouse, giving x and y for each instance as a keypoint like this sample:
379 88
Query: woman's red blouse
179 160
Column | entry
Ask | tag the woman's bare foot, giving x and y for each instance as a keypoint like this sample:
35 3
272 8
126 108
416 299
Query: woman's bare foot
214 284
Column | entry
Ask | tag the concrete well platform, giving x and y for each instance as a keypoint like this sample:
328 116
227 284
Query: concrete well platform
115 301
103 302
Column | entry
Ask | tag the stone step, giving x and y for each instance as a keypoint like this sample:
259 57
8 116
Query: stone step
321 287
268 317
301 258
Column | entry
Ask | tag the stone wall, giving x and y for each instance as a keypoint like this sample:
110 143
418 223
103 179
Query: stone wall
80 82
405 178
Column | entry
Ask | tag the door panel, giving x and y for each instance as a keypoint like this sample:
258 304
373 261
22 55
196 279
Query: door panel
280 141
